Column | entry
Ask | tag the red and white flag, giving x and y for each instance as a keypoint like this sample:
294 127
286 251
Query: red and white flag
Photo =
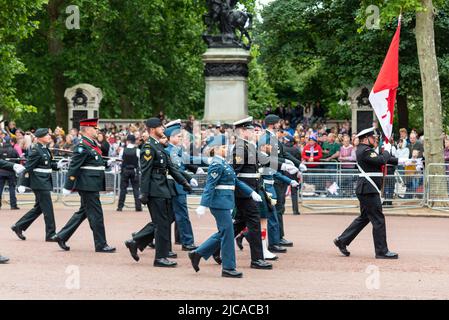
383 95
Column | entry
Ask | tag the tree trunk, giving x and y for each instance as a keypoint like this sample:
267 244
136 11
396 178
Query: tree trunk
126 107
402 104
55 48
433 125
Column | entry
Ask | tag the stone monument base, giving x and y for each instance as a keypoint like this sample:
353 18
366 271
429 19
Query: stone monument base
226 73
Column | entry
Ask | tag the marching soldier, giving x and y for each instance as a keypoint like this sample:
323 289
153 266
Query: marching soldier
156 164
179 203
368 192
130 173
8 152
246 167
18 169
272 123
38 177
219 196
86 174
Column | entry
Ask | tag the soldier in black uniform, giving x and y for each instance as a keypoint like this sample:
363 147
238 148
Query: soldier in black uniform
8 152
246 167
368 192
130 173
38 177
272 123
17 168
156 164
86 174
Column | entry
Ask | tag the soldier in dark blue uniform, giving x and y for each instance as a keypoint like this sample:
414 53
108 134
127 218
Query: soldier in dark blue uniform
86 175
17 168
219 196
130 173
369 184
38 177
156 165
8 152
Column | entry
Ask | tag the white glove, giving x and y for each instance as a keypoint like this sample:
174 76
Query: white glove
289 168
18 168
200 171
289 162
66 192
110 162
194 183
294 184
21 189
256 197
200 211
387 147
302 167
62 163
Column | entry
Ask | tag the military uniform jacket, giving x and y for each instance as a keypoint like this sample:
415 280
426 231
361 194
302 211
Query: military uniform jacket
177 158
87 168
372 163
282 152
220 186
156 165
38 169
6 165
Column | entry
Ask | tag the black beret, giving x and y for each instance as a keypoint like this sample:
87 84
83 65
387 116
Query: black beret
41 132
153 123
272 119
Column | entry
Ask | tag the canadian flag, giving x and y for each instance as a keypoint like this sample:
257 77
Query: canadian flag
383 95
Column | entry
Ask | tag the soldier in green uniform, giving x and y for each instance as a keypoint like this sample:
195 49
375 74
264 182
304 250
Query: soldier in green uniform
18 168
86 174
37 176
156 165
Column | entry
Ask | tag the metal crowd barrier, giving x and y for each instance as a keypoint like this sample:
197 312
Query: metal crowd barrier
437 186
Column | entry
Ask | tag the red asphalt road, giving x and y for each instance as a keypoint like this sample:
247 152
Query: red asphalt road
312 269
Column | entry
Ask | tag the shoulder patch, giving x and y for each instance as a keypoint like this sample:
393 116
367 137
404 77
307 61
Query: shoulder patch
373 155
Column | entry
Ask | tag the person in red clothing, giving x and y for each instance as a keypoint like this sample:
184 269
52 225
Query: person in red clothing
312 152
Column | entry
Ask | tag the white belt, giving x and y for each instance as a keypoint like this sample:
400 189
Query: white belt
224 187
249 175
93 168
42 170
268 181
371 174
169 177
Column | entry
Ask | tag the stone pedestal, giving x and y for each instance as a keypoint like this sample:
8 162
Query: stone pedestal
226 73
83 101
362 113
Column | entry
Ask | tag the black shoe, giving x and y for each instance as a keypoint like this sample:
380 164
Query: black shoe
18 232
217 258
195 259
164 263
172 255
272 259
189 247
152 245
277 249
285 243
15 208
388 255
231 273
119 209
132 247
106 249
3 259
139 210
61 243
261 264
342 247
296 213
52 239
239 241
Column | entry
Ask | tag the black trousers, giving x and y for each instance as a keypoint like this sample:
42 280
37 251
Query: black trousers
295 204
43 204
126 177
92 210
371 211
11 179
159 229
281 189
248 215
